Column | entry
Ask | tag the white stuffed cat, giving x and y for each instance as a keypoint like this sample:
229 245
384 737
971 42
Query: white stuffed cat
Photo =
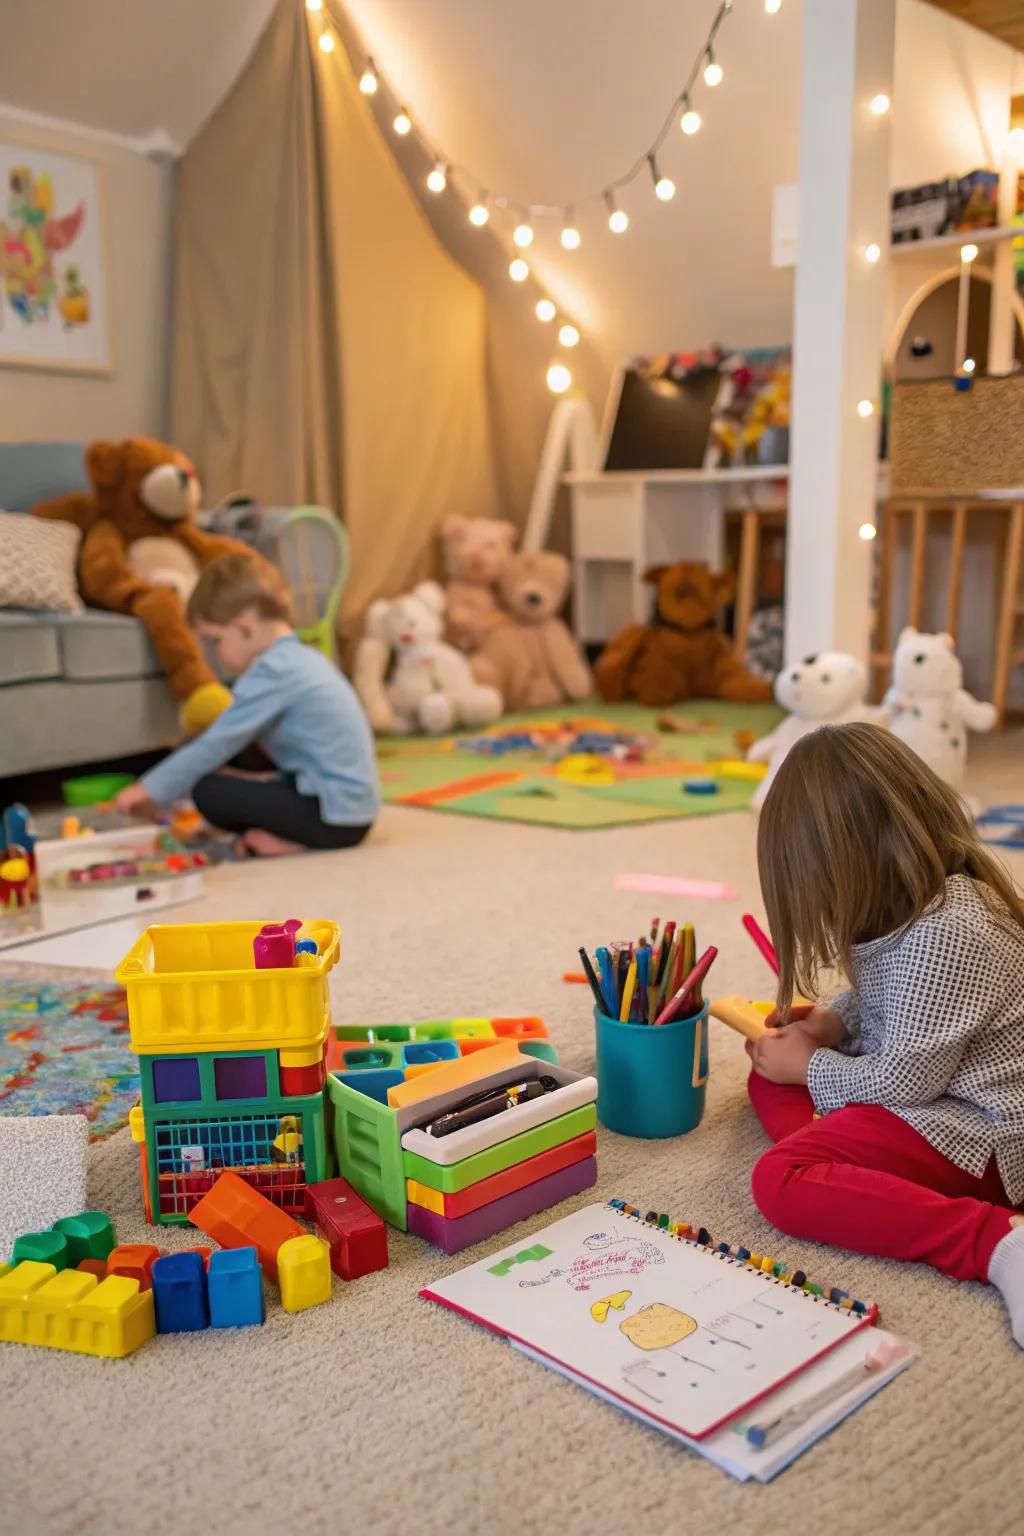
930 708
825 689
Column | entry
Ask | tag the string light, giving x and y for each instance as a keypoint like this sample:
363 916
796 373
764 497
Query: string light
559 378
872 252
690 120
968 365
479 213
519 271
570 236
865 408
1015 141
713 71
523 236
568 335
368 81
402 123
968 253
866 531
545 310
664 186
618 221
326 42
880 104
772 6
314 5
437 180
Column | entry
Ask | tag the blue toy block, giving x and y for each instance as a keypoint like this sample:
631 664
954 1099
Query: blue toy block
235 1283
179 1293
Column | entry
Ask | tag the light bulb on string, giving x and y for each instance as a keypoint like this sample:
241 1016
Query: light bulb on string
880 104
713 71
1015 142
865 408
523 236
690 120
618 220
664 186
867 531
570 236
772 7
438 179
368 81
568 335
559 378
326 42
479 213
402 123
968 365
314 5
519 271
968 253
545 311
872 252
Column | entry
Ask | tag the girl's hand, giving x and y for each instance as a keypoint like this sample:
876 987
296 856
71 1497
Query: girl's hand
133 801
782 1055
819 1024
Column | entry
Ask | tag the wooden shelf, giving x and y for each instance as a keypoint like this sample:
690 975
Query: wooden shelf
979 237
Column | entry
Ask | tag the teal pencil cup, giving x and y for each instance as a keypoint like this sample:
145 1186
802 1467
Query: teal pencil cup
651 1078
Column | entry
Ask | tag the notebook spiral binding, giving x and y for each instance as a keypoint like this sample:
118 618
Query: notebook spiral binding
731 1253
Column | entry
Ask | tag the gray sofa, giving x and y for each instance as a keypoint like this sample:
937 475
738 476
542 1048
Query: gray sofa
74 688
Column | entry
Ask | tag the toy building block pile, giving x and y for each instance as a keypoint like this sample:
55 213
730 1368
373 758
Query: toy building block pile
230 1023
470 1147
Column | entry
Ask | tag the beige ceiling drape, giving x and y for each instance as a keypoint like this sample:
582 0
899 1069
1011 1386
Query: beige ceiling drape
327 347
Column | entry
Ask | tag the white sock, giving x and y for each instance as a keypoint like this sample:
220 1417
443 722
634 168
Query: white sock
1006 1273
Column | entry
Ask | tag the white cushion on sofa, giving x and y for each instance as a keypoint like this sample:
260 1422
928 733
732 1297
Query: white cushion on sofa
37 563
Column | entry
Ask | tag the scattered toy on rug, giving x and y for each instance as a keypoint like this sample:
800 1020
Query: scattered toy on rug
530 656
930 708
824 689
142 553
683 654
407 677
475 551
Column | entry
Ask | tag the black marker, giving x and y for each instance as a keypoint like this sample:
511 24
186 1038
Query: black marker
492 1102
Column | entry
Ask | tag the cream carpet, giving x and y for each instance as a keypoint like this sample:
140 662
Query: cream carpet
382 1413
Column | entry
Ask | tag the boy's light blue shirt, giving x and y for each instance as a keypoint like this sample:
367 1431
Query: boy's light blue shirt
305 715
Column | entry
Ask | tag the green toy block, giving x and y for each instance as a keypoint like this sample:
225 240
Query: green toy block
369 1150
42 1248
456 1176
542 1049
89 1235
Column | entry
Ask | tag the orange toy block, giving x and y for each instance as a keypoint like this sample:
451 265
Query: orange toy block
456 1074
97 1267
135 1261
237 1216
531 1028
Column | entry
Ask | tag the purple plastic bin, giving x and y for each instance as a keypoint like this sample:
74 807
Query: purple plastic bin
455 1233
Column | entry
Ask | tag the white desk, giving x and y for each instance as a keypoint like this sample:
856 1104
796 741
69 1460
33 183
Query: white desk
624 521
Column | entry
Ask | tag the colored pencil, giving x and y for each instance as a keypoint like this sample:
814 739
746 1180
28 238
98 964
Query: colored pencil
689 947
666 948
588 971
627 992
762 941
643 972
605 966
689 991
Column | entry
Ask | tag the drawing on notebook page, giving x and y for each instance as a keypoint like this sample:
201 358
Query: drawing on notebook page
599 1310
606 1254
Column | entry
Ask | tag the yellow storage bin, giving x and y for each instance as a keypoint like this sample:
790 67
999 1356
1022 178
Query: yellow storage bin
194 986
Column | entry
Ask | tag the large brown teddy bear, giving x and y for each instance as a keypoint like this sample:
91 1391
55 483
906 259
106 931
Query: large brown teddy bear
474 550
142 552
530 656
683 654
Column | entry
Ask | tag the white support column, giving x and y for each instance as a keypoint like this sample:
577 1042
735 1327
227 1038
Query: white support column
839 321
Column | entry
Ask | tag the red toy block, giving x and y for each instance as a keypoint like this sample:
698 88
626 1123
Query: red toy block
135 1260
237 1216
296 1080
355 1234
204 1254
97 1267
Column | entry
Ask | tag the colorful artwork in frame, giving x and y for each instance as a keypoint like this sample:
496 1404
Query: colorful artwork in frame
53 286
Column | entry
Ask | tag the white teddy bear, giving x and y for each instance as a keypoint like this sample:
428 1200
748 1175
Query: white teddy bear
430 686
824 689
931 710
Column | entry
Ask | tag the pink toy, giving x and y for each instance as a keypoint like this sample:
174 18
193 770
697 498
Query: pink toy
273 948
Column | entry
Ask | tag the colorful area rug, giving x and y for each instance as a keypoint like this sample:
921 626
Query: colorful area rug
529 784
64 1051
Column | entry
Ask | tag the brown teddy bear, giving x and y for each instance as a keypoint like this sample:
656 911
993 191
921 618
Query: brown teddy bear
474 550
530 656
142 553
683 654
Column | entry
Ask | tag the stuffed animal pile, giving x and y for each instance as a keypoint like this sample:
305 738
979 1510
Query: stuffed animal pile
408 679
142 553
683 654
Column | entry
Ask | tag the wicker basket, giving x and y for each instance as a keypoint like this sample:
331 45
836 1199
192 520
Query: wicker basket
950 441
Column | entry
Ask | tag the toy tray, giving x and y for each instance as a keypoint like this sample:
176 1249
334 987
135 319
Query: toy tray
572 1093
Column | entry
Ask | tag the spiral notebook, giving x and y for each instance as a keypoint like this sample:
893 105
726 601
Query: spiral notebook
680 1333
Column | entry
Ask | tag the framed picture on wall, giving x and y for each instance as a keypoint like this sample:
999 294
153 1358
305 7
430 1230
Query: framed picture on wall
54 307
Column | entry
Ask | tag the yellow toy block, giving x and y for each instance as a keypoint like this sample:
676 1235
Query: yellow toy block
73 1310
304 1272
456 1074
422 1194
473 1029
735 768
309 1056
136 1124
5 1269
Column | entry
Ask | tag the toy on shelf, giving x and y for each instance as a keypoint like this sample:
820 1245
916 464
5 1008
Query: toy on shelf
825 689
682 654
231 1061
931 710
408 679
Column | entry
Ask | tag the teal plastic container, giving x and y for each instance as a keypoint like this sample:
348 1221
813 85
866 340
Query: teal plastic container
651 1078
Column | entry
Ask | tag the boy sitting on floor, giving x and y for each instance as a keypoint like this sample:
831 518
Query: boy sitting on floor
289 699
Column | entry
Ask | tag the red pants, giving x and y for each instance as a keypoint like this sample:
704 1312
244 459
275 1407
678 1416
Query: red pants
862 1178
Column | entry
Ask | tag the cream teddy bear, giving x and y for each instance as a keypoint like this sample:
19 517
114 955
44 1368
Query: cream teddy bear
824 689
931 710
429 686
475 551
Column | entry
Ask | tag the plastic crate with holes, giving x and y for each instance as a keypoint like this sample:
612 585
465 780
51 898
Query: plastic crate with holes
230 1023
